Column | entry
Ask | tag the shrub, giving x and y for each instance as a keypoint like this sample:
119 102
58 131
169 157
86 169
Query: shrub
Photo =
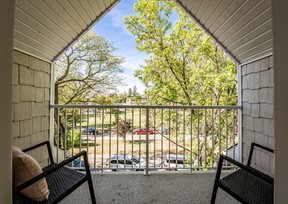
77 136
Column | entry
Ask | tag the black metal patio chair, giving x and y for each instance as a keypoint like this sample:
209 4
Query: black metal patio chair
61 179
246 184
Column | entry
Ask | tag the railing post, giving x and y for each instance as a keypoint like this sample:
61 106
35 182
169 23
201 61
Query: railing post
147 143
65 136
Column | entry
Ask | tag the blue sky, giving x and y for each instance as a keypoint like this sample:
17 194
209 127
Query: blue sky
112 27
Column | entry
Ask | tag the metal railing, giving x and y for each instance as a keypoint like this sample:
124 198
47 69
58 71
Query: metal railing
147 138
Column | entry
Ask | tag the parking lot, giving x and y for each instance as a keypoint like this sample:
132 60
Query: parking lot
109 143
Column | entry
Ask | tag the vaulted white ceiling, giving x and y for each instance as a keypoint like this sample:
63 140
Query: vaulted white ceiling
242 27
46 28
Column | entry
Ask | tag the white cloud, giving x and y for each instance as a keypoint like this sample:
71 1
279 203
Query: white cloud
133 63
116 16
117 19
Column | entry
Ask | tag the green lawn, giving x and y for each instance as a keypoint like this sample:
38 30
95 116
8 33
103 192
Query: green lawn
107 119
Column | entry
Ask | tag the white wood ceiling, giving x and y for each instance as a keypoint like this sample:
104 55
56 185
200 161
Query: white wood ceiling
46 28
242 27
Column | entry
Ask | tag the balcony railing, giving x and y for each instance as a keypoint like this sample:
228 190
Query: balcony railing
148 138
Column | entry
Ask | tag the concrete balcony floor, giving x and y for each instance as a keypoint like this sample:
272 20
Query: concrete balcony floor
159 187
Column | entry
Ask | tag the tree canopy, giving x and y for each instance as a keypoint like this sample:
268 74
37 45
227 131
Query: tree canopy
184 66
87 69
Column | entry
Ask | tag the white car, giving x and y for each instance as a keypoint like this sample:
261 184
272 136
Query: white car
175 162
126 161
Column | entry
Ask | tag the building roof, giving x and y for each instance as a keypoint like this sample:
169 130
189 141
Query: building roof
47 28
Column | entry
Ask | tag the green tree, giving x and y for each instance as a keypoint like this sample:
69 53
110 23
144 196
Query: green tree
87 69
130 92
114 98
119 98
103 99
184 67
135 93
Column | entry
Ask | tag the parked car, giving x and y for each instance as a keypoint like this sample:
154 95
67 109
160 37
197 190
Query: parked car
126 161
142 131
90 130
175 162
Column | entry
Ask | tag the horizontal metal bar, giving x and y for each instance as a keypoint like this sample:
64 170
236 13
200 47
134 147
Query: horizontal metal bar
178 168
143 106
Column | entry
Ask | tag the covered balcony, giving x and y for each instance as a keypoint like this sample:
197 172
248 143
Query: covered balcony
34 33
132 165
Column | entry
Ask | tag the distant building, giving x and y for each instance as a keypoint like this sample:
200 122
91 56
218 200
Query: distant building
131 100
144 100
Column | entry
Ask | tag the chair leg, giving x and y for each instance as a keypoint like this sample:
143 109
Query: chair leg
89 179
92 193
216 182
213 198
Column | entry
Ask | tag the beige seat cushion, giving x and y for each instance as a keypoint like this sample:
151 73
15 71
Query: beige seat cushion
24 168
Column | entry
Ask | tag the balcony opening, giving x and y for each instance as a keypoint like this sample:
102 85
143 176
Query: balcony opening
146 89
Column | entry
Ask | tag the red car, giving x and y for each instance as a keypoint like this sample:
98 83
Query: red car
142 131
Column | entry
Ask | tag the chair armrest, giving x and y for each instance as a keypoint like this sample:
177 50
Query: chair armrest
242 166
39 145
262 147
58 166
36 146
233 161
253 145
